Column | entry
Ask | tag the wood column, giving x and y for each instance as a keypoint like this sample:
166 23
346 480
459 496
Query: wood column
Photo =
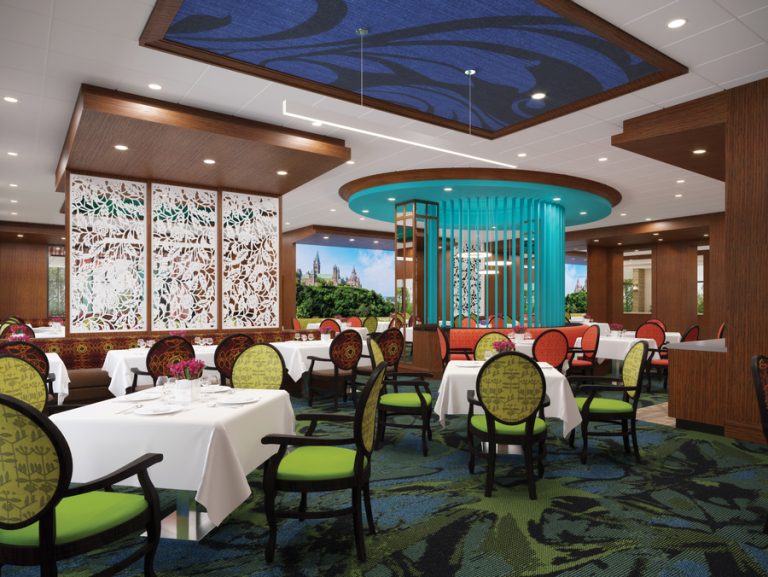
24 273
715 280
674 285
746 235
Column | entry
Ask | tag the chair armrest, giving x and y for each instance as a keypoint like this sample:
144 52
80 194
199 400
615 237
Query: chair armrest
593 379
133 468
302 441
335 417
460 350
423 384
472 400
422 375
138 371
314 358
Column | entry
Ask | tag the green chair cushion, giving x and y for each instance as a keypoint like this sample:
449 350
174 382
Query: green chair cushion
81 516
602 405
404 400
317 464
481 424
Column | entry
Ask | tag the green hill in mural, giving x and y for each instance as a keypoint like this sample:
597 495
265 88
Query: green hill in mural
325 301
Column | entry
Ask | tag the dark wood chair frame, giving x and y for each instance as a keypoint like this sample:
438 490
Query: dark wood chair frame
339 383
359 482
48 553
587 355
627 422
225 373
466 351
136 371
762 401
543 335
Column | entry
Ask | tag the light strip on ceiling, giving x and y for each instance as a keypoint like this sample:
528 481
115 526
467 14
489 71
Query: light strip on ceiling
393 138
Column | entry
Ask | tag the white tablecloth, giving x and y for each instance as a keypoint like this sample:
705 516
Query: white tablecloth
205 449
119 362
671 337
615 348
295 355
461 376
61 383
49 332
344 326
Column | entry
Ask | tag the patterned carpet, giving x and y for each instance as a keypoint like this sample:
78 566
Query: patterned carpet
694 507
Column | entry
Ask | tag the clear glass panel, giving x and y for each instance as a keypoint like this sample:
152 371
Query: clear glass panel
638 286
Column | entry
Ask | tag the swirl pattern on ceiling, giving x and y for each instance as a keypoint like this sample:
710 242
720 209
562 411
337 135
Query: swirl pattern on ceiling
415 53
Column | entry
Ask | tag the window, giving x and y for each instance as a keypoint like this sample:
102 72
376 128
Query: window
638 286
700 260
575 283
56 281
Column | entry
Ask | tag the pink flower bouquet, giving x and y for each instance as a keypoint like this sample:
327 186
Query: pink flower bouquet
503 346
190 369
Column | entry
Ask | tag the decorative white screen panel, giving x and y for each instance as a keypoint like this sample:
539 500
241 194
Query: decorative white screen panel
184 239
250 261
107 255
469 292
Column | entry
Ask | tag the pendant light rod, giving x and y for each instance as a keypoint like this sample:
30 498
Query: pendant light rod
362 32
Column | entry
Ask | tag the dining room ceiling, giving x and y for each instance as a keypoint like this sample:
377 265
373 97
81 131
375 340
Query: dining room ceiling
49 48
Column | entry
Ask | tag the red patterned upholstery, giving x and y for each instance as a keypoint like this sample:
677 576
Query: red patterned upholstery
392 344
295 324
227 352
345 352
551 347
29 352
330 324
17 328
346 349
396 323
167 351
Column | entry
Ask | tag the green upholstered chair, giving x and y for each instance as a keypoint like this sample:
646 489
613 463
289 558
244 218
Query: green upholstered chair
371 323
611 410
227 352
44 520
20 380
345 351
510 389
259 366
320 464
485 343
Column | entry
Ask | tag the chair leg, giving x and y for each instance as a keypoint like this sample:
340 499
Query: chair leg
368 510
634 439
625 435
471 444
424 433
358 524
381 427
528 454
572 437
303 505
584 437
490 470
269 509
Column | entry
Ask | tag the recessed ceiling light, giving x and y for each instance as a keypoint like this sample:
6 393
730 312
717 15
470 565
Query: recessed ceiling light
154 86
619 243
287 224
448 189
13 153
13 185
14 214
648 219
583 212
706 234
325 238
680 181
10 99
317 123
602 159
655 234
362 218
597 240
375 242
209 161
391 199
20 235
700 151
63 238
350 162
522 154
538 95
678 195
121 147
366 211
637 250
282 173
661 239
557 199
351 240
676 23
333 210
623 214
493 227
14 201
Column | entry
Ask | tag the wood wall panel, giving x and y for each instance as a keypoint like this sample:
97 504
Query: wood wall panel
674 285
24 272
715 281
696 386
746 207
598 271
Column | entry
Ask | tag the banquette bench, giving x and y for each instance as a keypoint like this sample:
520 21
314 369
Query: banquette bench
467 338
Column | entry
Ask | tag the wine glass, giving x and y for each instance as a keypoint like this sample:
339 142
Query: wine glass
310 337
297 337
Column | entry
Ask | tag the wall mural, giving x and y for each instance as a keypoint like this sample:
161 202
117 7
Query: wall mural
468 283
184 279
250 250
107 255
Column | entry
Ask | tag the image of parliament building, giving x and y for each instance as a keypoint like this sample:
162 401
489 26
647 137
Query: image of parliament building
334 279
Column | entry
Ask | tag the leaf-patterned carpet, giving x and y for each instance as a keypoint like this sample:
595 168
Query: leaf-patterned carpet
694 507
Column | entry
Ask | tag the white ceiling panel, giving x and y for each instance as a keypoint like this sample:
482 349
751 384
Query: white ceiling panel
24 26
733 67
740 8
758 22
733 36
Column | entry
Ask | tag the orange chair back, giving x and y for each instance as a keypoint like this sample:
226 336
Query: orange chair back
721 331
551 347
330 324
354 322
295 324
658 322
590 341
651 330
692 334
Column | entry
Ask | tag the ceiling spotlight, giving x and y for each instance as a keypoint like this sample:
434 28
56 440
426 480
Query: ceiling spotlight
14 201
706 234
602 159
13 153
13 185
351 240
325 238
366 211
597 240
661 240
362 218
333 210
317 123
522 154
350 162
121 147
10 99
648 219
63 238
282 173
623 214
678 195
583 213
700 151
655 234
154 86
20 235
538 95
557 199
287 224
391 199
676 23
448 189
619 243
470 72
375 242
680 181
14 214
209 161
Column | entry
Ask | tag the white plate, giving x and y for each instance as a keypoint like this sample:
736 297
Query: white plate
140 396
216 389
157 410
239 399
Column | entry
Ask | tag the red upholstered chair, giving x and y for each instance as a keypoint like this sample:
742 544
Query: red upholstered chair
551 347
692 334
721 331
449 354
760 379
464 322
295 324
656 355
345 351
330 324
226 354
35 356
587 353
166 351
16 328
658 322
354 322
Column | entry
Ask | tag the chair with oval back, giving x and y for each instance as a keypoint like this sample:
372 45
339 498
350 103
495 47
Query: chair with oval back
720 331
166 351
692 334
45 519
21 380
295 324
354 321
610 410
260 366
396 322
330 324
345 351
584 358
451 354
760 381
551 347
227 352
651 330
36 357
319 464
391 343
510 389
17 328
658 322
485 343
371 323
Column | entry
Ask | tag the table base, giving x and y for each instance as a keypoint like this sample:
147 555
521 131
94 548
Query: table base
186 523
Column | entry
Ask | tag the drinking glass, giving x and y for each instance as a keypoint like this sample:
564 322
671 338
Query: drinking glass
310 337
297 337
303 337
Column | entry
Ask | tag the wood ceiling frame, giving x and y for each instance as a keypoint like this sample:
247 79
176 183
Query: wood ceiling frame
161 18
